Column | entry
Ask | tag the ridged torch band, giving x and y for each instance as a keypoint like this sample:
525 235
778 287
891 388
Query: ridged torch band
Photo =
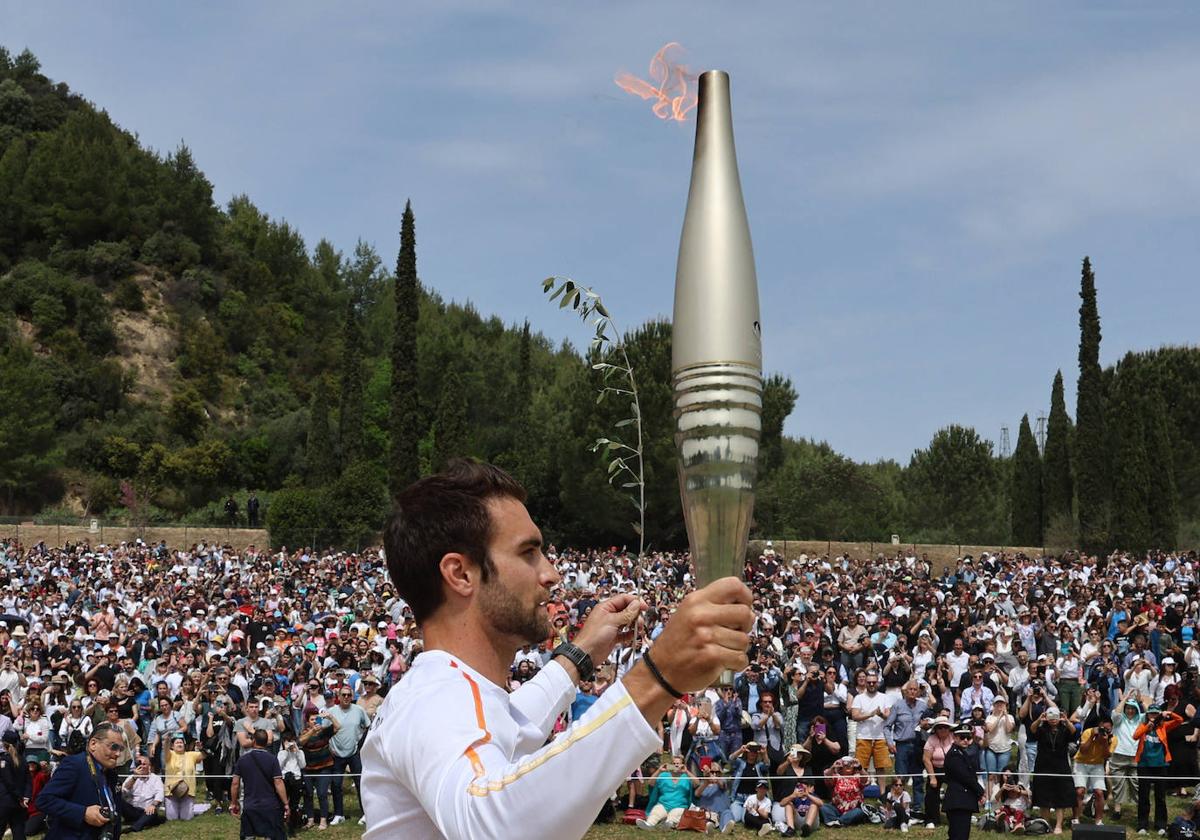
718 425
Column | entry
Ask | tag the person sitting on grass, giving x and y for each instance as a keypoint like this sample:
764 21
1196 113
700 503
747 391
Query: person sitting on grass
670 794
845 782
1013 799
712 794
804 807
758 809
896 805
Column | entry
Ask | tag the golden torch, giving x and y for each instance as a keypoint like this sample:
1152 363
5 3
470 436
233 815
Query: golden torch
716 359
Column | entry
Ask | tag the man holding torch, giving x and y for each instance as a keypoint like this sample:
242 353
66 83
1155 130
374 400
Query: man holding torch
451 753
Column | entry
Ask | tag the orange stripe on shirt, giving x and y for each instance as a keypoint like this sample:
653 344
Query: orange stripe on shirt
481 722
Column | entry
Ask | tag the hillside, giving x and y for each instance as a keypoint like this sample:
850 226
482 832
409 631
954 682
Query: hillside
160 353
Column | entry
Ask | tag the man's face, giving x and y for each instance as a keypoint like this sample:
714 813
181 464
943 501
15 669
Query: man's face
514 599
872 683
345 697
143 766
106 749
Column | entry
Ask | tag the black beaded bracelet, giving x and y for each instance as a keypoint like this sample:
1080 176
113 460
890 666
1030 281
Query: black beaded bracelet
670 689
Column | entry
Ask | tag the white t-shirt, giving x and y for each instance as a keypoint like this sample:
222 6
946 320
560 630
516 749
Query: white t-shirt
871 729
453 755
958 662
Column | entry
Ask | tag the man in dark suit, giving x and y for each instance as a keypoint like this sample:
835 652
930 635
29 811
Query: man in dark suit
963 790
82 800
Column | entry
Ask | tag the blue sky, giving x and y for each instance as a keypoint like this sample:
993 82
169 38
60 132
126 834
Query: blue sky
922 179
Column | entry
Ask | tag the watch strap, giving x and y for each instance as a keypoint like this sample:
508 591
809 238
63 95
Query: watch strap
577 657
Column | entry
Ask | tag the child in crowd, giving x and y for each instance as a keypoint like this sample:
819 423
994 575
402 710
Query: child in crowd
896 805
801 806
1014 799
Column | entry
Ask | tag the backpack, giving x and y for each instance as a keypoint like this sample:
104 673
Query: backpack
1037 826
75 742
1181 829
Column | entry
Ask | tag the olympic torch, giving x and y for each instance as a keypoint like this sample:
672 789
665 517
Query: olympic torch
716 358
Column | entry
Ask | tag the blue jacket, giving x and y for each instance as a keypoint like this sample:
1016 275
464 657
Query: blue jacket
66 797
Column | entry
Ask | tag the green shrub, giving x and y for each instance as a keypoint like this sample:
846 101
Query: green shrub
293 518
170 250
109 261
128 295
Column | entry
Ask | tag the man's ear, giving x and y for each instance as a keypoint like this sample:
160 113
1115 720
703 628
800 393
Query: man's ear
459 573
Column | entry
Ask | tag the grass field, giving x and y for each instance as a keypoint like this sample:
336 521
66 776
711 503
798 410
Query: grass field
210 826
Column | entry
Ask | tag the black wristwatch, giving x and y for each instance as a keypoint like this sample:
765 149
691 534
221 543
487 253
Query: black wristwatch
578 657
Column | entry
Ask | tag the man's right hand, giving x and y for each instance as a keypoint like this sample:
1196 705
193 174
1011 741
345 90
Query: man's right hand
92 816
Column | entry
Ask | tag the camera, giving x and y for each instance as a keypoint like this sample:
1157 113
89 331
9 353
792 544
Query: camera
108 830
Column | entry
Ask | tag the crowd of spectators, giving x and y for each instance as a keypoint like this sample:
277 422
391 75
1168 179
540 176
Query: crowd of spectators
1077 676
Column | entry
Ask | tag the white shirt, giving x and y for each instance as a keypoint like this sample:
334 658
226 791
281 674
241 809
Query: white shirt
453 755
871 729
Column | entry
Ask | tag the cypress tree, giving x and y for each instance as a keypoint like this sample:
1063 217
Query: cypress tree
1131 467
319 455
350 405
1091 473
1025 489
1164 496
405 419
450 426
1058 489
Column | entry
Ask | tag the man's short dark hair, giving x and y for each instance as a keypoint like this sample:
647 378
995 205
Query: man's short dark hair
261 738
438 515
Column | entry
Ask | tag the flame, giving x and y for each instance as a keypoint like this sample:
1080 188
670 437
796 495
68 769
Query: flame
672 95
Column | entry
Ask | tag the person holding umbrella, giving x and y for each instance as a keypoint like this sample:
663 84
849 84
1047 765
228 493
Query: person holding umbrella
963 791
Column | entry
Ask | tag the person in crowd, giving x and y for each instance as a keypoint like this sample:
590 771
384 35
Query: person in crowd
1013 800
997 742
728 710
14 785
143 789
757 816
897 805
712 794
670 794
350 723
1095 748
291 765
1127 717
937 747
35 820
871 710
318 767
846 780
963 791
1052 779
179 769
1152 759
258 793
904 730
705 729
749 765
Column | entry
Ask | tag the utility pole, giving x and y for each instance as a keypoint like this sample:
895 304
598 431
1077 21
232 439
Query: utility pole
1040 433
1005 448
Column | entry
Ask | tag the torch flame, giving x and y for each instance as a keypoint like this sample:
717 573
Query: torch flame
672 95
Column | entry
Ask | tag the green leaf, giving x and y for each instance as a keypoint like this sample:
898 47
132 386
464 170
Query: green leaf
557 292
575 301
626 422
628 484
615 464
600 308
547 284
562 304
600 398
637 528
612 444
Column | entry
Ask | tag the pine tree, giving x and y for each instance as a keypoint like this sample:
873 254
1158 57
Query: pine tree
1058 490
1025 489
350 404
1091 455
1130 468
405 419
450 426
320 457
1164 495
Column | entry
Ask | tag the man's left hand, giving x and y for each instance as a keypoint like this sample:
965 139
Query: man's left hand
610 622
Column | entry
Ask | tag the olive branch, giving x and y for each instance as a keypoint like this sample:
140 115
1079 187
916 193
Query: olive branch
609 341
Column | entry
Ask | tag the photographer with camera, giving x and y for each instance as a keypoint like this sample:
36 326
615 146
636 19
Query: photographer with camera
82 800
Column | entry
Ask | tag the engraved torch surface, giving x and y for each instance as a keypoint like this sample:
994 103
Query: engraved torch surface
716 348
